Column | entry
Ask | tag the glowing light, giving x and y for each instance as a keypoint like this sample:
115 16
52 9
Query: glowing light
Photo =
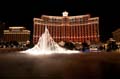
65 13
46 45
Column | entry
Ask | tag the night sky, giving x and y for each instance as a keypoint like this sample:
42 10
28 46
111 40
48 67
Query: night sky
20 12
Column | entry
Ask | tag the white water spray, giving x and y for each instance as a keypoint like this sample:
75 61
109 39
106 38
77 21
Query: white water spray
46 45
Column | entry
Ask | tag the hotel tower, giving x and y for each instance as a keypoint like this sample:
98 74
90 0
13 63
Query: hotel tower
78 28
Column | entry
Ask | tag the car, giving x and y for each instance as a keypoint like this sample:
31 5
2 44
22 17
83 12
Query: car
94 48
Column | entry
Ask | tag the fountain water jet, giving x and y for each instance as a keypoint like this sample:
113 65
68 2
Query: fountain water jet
46 45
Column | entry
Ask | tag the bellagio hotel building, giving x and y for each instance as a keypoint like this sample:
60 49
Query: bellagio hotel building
78 28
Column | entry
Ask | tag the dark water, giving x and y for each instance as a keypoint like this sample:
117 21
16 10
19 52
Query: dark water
14 65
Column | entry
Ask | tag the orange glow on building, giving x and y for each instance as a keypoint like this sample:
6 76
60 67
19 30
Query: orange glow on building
78 28
19 34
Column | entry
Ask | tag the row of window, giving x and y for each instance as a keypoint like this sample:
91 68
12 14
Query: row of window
81 20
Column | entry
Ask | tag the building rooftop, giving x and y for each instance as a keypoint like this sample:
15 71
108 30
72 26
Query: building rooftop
15 27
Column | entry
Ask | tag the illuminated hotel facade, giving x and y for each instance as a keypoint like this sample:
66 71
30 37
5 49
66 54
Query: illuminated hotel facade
116 35
78 28
16 33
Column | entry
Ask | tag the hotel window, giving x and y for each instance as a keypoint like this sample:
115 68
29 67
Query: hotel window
81 20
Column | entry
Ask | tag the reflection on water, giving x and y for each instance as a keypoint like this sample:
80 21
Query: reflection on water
15 65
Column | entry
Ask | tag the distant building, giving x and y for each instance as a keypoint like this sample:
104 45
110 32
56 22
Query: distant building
17 33
67 28
116 35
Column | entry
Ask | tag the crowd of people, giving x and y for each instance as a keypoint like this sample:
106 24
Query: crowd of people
85 47
14 44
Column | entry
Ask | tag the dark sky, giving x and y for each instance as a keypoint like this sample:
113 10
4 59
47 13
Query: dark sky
20 12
